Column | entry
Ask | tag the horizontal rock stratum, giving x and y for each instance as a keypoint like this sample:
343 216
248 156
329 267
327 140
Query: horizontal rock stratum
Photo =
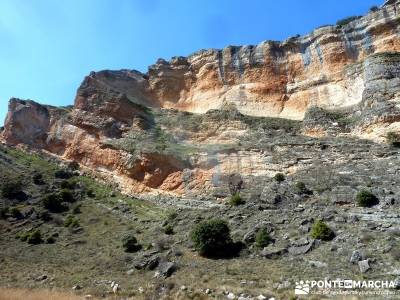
190 125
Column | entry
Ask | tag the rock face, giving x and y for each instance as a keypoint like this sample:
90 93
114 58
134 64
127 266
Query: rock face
189 124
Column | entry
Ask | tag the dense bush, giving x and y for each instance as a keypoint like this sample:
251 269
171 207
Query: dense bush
38 179
393 138
63 174
35 237
212 238
130 243
67 184
169 229
11 188
366 199
262 238
90 193
50 240
15 212
53 202
66 196
321 231
236 200
71 222
374 8
279 177
301 188
4 212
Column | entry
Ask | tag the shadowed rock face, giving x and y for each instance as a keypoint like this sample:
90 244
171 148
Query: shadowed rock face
140 131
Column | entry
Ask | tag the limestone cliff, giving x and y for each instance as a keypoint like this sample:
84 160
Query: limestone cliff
189 124
270 79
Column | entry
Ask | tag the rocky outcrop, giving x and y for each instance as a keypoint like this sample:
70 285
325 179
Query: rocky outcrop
140 130
26 122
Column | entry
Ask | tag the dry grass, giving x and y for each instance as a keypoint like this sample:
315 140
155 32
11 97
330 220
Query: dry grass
22 294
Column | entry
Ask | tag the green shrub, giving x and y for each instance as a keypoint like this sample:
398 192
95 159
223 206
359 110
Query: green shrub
38 179
35 238
67 196
301 188
321 231
67 184
50 240
262 238
71 222
22 236
63 174
172 216
11 188
347 20
393 138
236 200
279 177
365 198
374 8
90 193
169 229
15 212
212 238
53 202
130 243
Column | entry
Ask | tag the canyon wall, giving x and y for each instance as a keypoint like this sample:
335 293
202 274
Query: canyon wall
139 129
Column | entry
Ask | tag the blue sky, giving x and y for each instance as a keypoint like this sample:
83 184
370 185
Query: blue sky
47 46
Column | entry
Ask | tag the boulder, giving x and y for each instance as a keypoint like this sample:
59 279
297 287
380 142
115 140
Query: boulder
356 256
301 246
273 252
364 265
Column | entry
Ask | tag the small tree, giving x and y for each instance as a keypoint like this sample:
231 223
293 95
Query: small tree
321 231
67 196
53 203
38 179
35 238
15 212
262 238
11 188
301 188
169 229
236 200
130 243
212 238
279 177
393 138
365 198
71 222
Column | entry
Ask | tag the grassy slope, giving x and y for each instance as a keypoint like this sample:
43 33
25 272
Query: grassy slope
76 258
